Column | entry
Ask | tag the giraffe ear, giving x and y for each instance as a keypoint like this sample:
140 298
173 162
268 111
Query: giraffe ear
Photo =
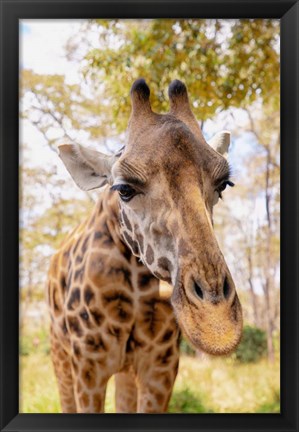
220 142
89 168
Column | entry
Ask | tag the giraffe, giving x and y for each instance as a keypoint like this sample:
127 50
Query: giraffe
153 223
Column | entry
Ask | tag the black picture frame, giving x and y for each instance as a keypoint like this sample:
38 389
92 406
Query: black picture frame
14 10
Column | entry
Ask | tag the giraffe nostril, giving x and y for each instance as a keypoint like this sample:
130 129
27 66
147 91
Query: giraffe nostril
226 288
198 290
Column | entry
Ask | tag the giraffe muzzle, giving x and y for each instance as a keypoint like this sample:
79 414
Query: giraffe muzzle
210 318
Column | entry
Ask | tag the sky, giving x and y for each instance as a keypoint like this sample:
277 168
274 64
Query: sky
42 47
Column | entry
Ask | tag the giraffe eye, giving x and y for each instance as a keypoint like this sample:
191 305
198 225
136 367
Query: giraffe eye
125 191
222 187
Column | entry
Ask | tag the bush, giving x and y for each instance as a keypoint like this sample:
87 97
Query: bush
253 345
184 401
34 342
25 346
271 406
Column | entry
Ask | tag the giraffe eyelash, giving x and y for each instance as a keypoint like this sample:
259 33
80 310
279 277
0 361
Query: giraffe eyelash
222 187
125 191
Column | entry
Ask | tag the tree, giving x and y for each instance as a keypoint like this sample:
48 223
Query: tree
223 64
61 111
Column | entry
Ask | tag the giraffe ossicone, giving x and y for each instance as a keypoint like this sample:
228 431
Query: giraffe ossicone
153 222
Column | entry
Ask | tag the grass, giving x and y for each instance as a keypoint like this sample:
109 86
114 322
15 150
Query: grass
38 389
202 386
224 386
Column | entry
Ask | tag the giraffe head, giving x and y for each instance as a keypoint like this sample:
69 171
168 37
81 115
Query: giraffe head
168 179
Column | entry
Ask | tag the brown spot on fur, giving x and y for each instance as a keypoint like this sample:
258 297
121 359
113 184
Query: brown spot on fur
113 295
123 272
118 305
61 354
145 280
65 256
149 255
102 238
84 315
69 400
153 315
74 299
97 402
84 400
167 382
165 264
79 274
74 325
131 242
107 241
95 343
89 374
98 235
76 350
63 283
63 326
97 316
167 335
126 252
79 259
114 331
133 343
89 295
160 398
165 357
85 245
97 269
126 221
102 363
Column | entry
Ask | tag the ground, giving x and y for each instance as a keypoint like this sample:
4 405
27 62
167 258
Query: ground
203 386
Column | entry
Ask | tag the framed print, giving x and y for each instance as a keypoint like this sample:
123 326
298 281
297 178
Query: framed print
149 235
